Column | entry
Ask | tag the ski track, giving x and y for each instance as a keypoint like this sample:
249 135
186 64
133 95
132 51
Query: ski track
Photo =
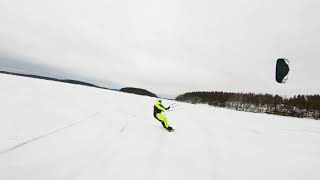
7 150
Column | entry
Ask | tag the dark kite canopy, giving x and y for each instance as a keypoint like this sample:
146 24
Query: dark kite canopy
282 70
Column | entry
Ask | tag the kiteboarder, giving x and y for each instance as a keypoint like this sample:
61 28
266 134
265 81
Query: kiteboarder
158 108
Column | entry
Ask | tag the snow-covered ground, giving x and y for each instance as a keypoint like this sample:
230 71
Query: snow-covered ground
56 131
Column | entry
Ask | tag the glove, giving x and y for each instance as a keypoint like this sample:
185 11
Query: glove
168 108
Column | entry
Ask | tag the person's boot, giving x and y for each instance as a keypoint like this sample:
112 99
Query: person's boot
170 129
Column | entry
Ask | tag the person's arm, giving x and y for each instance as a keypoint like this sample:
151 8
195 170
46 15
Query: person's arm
166 108
161 107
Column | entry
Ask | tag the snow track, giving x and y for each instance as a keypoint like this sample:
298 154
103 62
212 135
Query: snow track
44 135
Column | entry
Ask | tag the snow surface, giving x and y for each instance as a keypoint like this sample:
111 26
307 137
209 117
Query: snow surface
56 131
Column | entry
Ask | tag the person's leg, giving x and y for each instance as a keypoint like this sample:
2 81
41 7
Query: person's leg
163 124
155 116
163 120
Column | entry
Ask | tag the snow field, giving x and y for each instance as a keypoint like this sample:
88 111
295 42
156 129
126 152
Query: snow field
51 130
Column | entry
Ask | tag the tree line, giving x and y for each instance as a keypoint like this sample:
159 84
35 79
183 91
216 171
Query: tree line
296 106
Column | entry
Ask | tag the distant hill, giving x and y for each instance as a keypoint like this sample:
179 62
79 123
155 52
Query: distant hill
138 91
132 90
70 81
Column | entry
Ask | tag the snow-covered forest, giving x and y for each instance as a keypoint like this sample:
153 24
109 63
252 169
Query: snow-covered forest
297 106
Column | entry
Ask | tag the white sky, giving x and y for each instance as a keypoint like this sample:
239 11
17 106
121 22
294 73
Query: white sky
169 46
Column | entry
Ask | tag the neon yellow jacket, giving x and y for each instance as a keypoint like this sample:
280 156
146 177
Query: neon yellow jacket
158 107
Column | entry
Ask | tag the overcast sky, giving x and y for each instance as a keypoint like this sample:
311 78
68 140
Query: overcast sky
169 46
